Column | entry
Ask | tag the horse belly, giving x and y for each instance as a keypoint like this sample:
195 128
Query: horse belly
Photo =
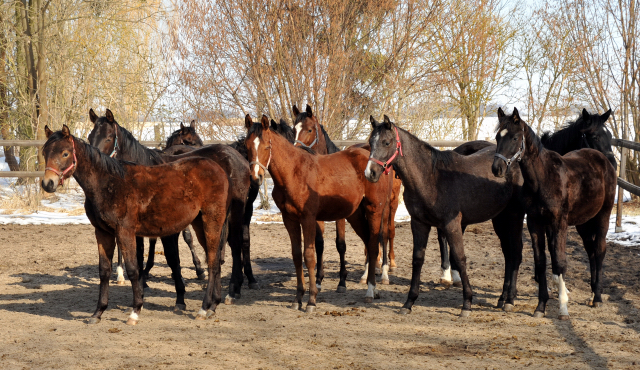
335 208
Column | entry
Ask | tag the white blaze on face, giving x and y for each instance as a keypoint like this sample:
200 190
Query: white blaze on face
256 168
298 129
503 132
367 170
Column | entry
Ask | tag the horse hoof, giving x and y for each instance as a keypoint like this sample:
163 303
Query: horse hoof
446 283
341 289
597 304
392 268
202 276
120 282
384 281
229 300
563 317
465 313
458 284
295 306
368 299
179 307
132 322
404 311
363 281
93 320
255 286
508 307
310 309
538 314
128 311
500 304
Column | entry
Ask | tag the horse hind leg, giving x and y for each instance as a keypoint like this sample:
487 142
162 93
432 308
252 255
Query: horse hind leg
106 246
127 239
557 244
445 264
246 237
211 231
150 259
319 245
120 269
172 255
341 246
188 238
595 244
295 235
358 222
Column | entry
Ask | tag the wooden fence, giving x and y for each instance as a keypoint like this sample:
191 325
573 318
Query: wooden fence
622 183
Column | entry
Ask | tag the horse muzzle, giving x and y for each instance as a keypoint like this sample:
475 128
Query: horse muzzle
499 167
49 184
371 172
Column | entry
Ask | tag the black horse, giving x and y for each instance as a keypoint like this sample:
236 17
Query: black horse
107 132
449 191
587 131
575 189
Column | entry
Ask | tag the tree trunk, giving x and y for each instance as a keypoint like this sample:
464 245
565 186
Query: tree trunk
5 127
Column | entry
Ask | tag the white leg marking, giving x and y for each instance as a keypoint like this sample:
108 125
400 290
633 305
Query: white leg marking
298 129
456 276
446 274
256 168
554 282
120 272
319 286
371 290
366 271
563 297
385 272
133 316
202 312
503 132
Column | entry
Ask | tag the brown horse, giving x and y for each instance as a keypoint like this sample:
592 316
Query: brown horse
124 200
309 133
575 189
310 188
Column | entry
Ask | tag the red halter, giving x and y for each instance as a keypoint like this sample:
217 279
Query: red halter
61 174
386 166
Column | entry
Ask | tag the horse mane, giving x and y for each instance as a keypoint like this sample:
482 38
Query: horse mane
139 153
239 146
99 160
564 140
439 158
331 146
176 134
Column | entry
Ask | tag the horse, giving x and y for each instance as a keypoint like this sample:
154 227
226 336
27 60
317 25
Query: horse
309 133
575 189
318 188
107 136
587 131
449 191
124 200
104 136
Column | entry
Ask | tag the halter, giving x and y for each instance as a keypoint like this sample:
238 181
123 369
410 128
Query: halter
115 146
517 156
313 143
257 161
386 166
61 174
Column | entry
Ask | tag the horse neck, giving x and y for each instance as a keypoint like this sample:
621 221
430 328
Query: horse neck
414 168
283 154
86 174
533 160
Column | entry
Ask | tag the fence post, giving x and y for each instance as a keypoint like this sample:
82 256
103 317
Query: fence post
622 175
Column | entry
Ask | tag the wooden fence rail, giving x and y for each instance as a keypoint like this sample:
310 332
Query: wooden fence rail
622 183
157 144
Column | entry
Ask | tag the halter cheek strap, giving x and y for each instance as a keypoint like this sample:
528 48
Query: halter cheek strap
386 166
257 161
517 156
68 169
115 146
312 144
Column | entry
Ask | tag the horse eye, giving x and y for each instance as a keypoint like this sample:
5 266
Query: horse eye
65 155
515 138
309 130
387 143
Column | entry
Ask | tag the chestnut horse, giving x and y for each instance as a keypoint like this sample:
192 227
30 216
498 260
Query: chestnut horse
575 189
309 133
449 191
124 200
310 188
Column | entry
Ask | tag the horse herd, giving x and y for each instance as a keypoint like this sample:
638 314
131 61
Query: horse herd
562 179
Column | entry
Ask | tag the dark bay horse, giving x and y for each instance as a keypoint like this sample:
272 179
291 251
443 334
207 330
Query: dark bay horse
106 133
575 189
109 138
449 191
124 200
310 188
309 133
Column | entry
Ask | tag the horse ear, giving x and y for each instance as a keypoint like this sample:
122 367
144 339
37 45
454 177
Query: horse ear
516 116
92 115
274 125
193 124
309 111
65 131
265 122
585 114
247 121
47 132
500 113
109 116
295 110
373 121
605 115
181 126
387 122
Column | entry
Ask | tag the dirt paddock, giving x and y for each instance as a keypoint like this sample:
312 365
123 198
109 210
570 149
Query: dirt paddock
49 287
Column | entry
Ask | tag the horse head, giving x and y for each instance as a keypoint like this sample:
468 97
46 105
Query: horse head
385 147
186 135
258 144
509 140
60 157
104 134
306 129
596 135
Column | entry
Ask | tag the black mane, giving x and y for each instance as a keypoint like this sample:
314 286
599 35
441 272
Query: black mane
139 153
566 139
176 134
100 161
331 146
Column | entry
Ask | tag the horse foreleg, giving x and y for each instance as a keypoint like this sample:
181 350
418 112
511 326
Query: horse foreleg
172 255
557 244
445 264
341 246
536 231
295 235
236 237
151 258
309 233
188 238
453 231
420 232
127 240
358 222
246 237
120 269
508 227
106 245
211 229
319 245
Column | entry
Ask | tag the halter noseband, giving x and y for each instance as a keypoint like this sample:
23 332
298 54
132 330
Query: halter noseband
517 156
386 166
73 164
313 143
257 161
115 146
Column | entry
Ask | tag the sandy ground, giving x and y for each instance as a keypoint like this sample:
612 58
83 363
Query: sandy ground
49 287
